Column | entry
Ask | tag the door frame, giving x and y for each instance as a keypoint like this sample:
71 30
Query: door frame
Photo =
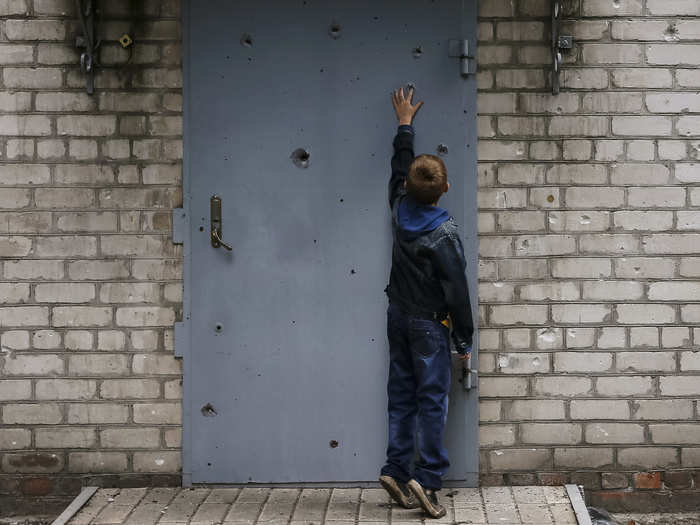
181 234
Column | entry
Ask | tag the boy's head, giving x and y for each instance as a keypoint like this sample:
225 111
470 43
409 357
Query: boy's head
427 179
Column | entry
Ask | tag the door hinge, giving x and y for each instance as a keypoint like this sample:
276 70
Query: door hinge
469 375
462 49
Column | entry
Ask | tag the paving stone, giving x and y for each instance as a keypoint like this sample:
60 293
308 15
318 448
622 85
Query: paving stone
500 495
499 513
222 496
470 514
535 513
210 512
343 505
312 505
528 495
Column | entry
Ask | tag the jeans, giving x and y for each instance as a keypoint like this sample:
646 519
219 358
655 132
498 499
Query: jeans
419 383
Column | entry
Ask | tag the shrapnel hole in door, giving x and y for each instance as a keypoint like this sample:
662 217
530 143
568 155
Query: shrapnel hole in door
246 40
300 157
334 30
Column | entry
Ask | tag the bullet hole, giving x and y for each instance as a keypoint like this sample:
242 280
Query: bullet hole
321 70
208 464
228 57
353 272
442 149
219 327
417 52
300 158
201 228
250 59
375 18
342 200
333 443
372 339
294 322
550 198
334 31
208 410
246 40
315 241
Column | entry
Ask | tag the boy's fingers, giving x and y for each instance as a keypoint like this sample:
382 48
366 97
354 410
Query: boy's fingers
418 106
410 94
401 97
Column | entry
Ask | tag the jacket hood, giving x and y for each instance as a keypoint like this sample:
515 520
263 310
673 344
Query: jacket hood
415 219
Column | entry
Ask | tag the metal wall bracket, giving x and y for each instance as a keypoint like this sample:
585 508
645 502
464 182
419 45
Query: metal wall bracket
460 48
559 43
87 41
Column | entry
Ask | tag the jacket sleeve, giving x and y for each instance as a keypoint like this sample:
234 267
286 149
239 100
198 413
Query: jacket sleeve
451 266
400 162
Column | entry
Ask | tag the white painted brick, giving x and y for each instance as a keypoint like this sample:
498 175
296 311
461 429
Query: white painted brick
577 149
539 103
688 77
17 316
614 433
580 313
78 340
502 386
675 433
675 337
624 385
612 290
46 339
673 7
674 291
638 29
57 54
584 78
35 30
32 78
647 457
15 438
644 267
554 291
657 197
64 292
662 243
51 149
59 389
145 316
97 413
646 361
675 150
644 337
32 414
687 172
86 125
562 386
578 126
110 340
544 197
577 174
549 338
582 362
160 461
604 8
521 126
609 149
642 150
679 386
489 411
580 337
688 126
535 245
532 410
15 389
516 314
639 174
673 54
550 433
528 459
155 364
15 339
523 363
599 409
590 198
33 365
611 337
502 198
690 361
641 126
129 293
643 220
157 413
517 338
496 435
97 364
520 79
130 438
97 462
98 270
641 78
580 457
129 389
615 53
662 409
645 314
585 268
84 174
82 316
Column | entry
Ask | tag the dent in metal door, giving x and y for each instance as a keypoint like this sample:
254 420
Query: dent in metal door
288 121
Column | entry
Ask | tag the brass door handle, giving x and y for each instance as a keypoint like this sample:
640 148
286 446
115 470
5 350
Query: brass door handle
215 216
216 241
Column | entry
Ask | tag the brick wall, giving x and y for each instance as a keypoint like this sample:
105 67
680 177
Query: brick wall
89 280
589 226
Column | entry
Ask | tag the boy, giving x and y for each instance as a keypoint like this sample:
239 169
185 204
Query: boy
427 284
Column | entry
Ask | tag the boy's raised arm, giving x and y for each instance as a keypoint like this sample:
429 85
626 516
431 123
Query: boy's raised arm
403 142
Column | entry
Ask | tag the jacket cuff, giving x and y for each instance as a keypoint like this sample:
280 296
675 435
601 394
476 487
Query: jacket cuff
404 128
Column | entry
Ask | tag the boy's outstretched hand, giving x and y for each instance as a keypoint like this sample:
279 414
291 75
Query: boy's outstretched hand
405 111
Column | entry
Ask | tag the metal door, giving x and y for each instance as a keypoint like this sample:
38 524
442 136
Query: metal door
284 337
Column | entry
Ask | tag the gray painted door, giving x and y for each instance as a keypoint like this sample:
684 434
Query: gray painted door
285 346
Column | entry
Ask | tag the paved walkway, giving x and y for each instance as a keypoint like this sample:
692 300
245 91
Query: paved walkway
290 506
